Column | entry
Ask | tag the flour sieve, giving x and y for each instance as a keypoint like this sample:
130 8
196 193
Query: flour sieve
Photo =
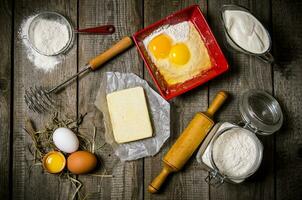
50 16
56 17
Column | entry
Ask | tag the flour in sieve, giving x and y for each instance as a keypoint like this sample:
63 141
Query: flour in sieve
235 152
49 37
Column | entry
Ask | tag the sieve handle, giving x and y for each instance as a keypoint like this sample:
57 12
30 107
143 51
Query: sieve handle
216 103
116 49
101 30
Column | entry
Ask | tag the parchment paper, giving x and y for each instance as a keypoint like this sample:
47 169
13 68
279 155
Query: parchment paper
159 111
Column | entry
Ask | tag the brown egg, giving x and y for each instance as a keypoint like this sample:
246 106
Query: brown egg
81 162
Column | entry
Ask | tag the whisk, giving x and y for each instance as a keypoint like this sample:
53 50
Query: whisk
40 100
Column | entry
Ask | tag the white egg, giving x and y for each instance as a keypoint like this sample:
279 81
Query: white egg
65 140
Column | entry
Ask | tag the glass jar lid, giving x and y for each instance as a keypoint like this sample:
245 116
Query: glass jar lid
261 112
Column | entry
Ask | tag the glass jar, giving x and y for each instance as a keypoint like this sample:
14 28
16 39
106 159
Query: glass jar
261 114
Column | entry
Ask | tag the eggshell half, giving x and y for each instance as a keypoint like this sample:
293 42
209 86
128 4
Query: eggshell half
81 162
65 140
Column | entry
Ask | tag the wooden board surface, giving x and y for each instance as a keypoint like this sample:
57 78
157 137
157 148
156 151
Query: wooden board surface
287 89
30 182
6 21
279 176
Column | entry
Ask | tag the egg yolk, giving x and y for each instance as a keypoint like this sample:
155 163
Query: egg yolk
179 54
54 163
160 46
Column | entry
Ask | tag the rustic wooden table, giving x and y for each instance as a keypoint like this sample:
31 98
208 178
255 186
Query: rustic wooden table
279 176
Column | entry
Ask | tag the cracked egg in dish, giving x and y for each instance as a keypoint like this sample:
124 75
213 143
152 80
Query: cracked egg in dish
178 52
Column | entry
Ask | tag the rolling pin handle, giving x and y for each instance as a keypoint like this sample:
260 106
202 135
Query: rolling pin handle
155 185
216 103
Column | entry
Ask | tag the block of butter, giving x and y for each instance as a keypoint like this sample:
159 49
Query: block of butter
129 115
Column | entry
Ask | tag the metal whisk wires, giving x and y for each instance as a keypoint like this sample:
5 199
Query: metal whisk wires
38 100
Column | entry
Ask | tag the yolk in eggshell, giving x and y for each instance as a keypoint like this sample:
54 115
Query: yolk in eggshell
160 46
179 54
54 163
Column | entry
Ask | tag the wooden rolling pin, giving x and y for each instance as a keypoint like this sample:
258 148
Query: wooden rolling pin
188 142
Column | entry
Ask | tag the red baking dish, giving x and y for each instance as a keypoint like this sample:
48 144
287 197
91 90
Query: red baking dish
219 63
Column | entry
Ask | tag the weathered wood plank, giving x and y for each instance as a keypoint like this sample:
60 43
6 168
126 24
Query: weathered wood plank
246 72
131 180
33 183
189 183
6 16
126 16
287 41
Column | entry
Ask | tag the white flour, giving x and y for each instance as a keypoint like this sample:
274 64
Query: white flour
178 32
246 31
50 36
46 39
235 152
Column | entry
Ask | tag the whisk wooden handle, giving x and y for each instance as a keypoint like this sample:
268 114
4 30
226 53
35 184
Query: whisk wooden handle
116 49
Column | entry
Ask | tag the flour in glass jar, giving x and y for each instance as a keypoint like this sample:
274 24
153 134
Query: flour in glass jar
49 37
235 152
